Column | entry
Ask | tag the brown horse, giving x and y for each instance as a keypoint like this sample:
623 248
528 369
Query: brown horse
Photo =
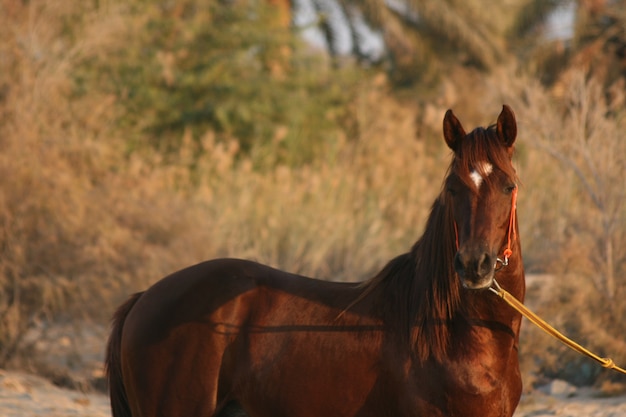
423 337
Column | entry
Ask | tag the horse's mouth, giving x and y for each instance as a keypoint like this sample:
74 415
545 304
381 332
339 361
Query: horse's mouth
477 283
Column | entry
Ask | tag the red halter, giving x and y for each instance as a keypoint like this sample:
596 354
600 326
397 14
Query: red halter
507 251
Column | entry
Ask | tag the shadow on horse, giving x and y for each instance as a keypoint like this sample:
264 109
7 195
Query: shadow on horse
423 337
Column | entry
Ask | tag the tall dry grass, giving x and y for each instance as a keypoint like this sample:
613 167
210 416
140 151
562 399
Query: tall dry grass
336 218
84 222
66 238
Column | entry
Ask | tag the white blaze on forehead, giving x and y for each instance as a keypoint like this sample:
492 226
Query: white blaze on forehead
484 168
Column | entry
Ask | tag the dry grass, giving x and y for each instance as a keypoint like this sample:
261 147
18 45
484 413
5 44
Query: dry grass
82 223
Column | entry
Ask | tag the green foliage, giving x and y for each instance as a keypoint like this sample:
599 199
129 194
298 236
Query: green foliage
229 69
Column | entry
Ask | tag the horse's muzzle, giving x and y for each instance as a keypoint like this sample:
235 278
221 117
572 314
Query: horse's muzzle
475 266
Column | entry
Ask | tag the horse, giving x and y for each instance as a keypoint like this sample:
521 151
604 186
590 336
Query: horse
423 337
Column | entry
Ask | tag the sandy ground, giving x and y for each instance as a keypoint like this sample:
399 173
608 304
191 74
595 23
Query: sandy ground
583 405
24 395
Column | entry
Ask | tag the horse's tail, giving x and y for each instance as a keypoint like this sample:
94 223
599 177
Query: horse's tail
113 364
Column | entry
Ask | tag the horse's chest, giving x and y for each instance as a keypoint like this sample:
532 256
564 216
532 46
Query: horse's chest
476 374
484 374
482 363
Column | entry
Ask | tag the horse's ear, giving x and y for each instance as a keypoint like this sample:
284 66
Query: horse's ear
453 131
507 126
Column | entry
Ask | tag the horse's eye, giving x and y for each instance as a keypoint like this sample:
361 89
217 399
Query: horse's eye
452 191
509 188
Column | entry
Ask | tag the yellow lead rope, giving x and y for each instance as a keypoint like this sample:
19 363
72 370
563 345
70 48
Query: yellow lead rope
539 322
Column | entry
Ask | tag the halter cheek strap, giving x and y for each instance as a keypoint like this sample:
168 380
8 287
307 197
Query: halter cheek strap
507 251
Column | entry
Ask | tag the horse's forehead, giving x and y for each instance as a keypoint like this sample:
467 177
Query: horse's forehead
480 171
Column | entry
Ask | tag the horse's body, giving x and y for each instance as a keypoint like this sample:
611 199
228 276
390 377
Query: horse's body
233 338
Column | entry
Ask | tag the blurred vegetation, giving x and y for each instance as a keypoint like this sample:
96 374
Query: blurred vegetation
234 70
140 137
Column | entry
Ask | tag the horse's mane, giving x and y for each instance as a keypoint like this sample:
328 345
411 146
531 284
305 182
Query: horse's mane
420 291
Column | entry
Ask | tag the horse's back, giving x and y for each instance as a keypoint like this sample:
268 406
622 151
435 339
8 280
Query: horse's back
224 291
187 295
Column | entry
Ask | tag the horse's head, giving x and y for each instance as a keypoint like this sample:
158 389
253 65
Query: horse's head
481 188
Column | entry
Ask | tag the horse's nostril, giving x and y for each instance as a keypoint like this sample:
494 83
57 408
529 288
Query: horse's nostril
485 265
